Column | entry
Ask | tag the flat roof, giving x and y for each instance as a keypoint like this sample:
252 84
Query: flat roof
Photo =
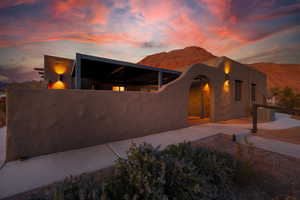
125 64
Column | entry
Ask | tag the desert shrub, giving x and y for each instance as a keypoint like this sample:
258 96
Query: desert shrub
286 97
178 172
83 187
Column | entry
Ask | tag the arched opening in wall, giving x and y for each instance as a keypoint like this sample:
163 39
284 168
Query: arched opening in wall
199 102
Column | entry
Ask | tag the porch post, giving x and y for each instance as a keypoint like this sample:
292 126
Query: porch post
254 118
160 77
78 72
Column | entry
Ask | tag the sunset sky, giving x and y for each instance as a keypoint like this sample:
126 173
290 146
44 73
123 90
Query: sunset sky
245 30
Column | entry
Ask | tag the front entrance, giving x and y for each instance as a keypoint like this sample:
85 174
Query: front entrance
199 99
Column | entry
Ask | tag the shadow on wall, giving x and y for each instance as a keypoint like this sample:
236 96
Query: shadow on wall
61 120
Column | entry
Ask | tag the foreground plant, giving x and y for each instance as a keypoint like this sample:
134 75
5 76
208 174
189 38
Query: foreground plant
178 172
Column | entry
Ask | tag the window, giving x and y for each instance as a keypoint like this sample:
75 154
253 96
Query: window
238 90
118 88
253 92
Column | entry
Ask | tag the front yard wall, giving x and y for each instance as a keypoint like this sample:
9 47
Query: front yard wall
42 121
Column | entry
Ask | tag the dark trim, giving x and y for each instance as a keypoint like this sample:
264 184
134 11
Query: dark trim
127 64
238 91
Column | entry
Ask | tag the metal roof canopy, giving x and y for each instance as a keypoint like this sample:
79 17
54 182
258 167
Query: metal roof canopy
119 72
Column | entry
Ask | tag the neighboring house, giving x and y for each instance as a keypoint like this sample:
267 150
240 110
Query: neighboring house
241 85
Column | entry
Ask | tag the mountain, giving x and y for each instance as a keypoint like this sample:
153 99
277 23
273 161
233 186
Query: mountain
27 84
280 75
177 59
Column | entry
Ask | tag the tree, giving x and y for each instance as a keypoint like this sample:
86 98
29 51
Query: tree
286 97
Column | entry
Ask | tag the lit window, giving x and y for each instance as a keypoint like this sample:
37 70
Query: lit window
118 88
121 88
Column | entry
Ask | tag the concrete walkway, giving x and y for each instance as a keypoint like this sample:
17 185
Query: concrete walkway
21 176
283 148
283 121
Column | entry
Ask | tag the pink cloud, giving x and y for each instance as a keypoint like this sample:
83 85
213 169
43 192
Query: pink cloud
82 11
155 10
219 8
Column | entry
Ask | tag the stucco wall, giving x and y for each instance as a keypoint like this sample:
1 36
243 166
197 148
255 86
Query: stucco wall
42 121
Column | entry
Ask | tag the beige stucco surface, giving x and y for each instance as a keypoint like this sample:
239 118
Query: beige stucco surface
42 121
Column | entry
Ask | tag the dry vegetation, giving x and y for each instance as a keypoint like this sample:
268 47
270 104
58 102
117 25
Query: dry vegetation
275 175
291 135
265 175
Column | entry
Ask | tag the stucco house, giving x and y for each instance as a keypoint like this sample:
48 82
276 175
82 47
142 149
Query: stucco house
91 100
222 83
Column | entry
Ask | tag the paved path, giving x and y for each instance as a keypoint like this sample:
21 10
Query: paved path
280 147
283 121
21 176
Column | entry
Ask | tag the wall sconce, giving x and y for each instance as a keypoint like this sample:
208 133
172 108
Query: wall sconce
226 77
59 68
60 77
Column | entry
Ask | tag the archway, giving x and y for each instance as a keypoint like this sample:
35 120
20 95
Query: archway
199 103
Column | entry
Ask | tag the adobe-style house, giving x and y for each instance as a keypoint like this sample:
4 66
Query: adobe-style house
91 101
234 89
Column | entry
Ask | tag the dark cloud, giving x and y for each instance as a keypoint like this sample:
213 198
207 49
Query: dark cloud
152 44
290 54
13 73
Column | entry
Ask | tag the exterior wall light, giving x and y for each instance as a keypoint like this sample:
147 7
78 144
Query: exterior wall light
59 68
60 77
58 85
226 76
206 87
227 67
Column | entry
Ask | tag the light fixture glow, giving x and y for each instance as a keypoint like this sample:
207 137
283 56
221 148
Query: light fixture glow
227 67
59 69
226 86
206 87
58 85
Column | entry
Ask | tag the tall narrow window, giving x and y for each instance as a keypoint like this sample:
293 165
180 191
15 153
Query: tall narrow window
253 92
238 90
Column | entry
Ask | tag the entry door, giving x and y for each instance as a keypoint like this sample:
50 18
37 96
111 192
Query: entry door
199 100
